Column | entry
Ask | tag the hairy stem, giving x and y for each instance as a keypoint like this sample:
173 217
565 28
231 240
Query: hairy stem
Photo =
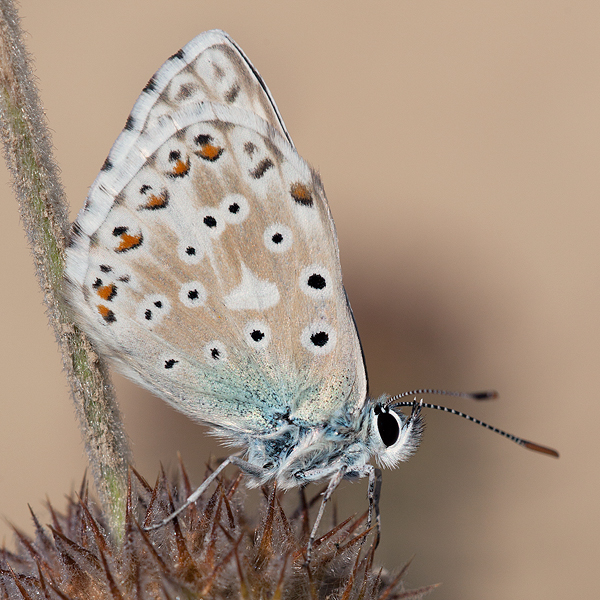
43 207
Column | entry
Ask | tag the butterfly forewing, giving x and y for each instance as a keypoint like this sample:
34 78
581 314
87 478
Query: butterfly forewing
210 68
206 261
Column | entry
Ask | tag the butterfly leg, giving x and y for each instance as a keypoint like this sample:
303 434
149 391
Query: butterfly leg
234 459
374 494
333 483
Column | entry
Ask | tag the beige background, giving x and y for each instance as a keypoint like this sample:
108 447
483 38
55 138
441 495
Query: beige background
459 146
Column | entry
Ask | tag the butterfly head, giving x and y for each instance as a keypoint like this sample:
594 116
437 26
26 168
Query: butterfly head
395 436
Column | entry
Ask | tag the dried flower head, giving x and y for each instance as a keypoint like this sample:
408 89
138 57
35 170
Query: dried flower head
214 550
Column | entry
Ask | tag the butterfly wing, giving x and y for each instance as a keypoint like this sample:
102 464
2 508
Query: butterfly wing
205 262
210 68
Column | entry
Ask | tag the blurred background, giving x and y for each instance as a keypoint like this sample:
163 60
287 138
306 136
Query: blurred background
459 147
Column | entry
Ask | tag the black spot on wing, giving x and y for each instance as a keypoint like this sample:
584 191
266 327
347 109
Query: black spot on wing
262 167
150 86
219 72
210 221
232 93
320 338
257 335
317 281
75 233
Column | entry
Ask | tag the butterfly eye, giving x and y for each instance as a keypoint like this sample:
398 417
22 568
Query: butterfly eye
388 427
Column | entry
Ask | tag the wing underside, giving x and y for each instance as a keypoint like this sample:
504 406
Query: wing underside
205 262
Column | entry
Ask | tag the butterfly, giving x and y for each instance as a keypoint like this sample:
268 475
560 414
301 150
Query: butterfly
205 266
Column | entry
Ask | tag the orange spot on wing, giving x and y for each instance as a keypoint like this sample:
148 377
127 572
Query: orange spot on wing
107 292
301 194
159 201
129 242
181 168
210 152
107 314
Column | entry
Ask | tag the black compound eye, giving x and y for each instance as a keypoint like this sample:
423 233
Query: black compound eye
389 430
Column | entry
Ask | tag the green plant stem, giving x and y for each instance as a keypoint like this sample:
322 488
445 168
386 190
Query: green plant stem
28 152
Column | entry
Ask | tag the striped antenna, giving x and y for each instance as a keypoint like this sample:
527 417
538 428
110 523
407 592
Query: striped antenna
510 436
485 395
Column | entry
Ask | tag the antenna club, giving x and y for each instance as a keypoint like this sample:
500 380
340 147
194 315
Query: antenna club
539 448
486 395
